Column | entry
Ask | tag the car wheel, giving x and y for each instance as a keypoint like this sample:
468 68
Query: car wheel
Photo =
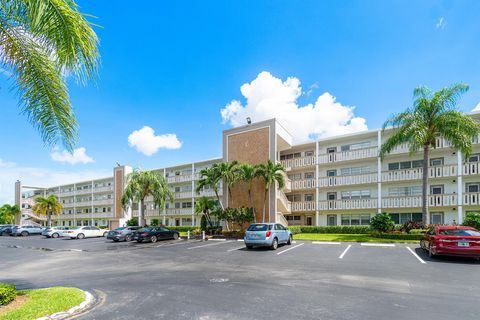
430 252
175 236
55 235
105 234
274 244
80 236
24 233
153 239
249 246
115 240
289 242
128 238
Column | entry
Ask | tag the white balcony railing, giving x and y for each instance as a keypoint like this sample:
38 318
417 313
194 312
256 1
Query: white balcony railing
183 195
434 200
347 180
103 189
101 202
348 204
180 211
471 199
303 206
183 178
298 162
209 193
284 201
471 168
348 155
417 173
303 184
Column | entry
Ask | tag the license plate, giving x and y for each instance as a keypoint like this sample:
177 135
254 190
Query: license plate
254 236
463 244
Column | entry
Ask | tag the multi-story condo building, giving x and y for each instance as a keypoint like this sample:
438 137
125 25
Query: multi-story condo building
334 181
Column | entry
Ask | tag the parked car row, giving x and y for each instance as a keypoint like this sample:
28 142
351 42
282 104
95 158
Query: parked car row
53 232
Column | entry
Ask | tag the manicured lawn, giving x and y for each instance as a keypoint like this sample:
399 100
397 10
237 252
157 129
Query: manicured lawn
42 302
346 238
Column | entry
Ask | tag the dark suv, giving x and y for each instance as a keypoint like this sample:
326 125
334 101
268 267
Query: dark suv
6 229
122 234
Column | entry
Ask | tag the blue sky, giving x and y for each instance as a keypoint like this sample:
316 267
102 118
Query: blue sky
172 66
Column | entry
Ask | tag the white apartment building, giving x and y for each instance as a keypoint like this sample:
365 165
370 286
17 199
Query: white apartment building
334 181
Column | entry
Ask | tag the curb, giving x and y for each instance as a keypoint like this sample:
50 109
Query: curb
89 300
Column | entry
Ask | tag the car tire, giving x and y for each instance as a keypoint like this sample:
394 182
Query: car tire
175 236
289 242
80 236
115 240
55 235
128 238
153 239
274 245
105 234
249 246
24 233
430 252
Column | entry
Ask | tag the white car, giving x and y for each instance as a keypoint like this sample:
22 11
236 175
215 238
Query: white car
85 232
54 232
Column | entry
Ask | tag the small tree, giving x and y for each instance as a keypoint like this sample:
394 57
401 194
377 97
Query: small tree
155 222
47 206
8 213
382 222
132 222
472 219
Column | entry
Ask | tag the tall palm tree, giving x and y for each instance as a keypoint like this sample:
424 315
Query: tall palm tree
8 213
205 206
41 41
434 115
247 173
272 174
47 207
210 177
141 184
229 173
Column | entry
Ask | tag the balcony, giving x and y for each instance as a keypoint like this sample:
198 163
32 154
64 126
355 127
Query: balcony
417 173
303 184
405 147
347 180
298 162
435 200
471 168
103 189
303 206
283 205
183 195
183 178
180 211
66 194
471 199
348 204
363 153
83 191
97 215
101 202
209 193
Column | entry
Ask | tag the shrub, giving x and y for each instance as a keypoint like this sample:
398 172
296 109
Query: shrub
398 236
472 219
330 229
382 223
410 225
8 293
132 222
233 234
155 222
182 228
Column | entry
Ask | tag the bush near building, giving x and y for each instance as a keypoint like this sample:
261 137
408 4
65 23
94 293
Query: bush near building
8 293
382 223
472 219
331 229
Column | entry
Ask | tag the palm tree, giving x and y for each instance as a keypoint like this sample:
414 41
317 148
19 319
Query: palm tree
141 184
247 173
41 42
8 213
434 115
47 206
205 205
272 174
210 177
229 173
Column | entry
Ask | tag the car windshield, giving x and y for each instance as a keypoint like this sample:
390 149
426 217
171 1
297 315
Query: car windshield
120 229
258 227
74 228
460 233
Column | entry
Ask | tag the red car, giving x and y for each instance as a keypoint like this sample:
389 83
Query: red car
452 241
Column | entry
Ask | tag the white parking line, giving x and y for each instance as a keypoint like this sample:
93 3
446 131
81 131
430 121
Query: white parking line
377 244
416 255
238 248
209 245
298 245
213 239
325 242
345 251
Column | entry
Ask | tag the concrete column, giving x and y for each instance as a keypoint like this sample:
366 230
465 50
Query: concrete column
317 187
379 173
460 187
193 194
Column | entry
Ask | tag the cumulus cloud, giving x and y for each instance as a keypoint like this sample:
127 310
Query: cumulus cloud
440 23
41 177
477 108
269 97
146 142
78 156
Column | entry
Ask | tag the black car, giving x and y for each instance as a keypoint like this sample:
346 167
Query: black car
6 230
153 234
122 234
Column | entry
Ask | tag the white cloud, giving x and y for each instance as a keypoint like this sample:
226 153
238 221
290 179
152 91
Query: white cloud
311 89
40 177
477 108
146 142
6 164
79 155
441 23
269 97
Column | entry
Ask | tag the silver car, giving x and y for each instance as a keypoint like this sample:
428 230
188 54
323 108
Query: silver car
26 230
267 235
54 232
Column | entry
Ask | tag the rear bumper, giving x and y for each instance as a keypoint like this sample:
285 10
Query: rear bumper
259 243
459 252
116 237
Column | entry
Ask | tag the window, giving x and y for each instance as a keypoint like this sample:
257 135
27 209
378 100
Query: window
297 155
177 189
332 150
331 220
331 173
405 165
295 176
404 191
309 175
474 158
436 162
331 196
354 170
186 205
393 166
355 219
309 197
355 194
309 153
436 189
436 217
177 205
401 218
473 187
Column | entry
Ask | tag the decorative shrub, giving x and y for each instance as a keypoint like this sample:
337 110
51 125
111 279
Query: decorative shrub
132 222
382 223
182 228
8 293
410 225
330 229
233 234
398 236
472 219
155 222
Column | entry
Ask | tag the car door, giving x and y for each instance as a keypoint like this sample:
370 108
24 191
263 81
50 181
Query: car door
88 232
279 232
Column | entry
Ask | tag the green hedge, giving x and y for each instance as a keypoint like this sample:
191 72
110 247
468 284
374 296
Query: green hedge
331 229
398 236
182 228
8 293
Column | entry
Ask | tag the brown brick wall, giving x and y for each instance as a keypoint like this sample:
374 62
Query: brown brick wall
119 176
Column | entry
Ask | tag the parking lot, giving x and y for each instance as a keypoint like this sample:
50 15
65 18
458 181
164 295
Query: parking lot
223 280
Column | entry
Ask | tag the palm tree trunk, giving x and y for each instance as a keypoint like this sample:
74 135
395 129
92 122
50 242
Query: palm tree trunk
218 198
140 214
264 205
251 204
49 219
425 185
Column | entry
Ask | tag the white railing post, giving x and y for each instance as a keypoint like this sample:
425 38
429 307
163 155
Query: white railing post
188 235
203 235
